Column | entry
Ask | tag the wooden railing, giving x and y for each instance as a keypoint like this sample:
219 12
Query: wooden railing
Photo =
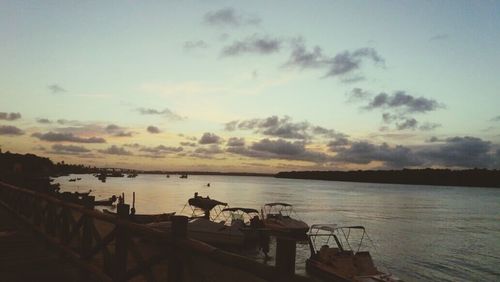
111 248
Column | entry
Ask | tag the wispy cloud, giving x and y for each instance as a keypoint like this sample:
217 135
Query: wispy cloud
257 44
197 44
56 88
66 137
115 150
230 18
165 112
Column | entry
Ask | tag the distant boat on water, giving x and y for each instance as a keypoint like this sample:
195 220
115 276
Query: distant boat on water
183 176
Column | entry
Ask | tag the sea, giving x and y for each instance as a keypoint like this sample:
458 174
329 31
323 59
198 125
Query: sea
419 233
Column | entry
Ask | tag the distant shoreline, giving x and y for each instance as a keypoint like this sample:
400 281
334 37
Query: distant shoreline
435 177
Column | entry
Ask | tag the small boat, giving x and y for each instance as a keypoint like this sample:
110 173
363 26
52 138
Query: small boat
72 180
183 176
107 202
277 218
82 194
342 256
146 218
132 175
168 175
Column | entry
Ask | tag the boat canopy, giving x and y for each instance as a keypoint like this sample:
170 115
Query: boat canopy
333 227
245 210
205 203
278 204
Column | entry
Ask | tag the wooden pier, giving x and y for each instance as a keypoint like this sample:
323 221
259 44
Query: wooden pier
103 247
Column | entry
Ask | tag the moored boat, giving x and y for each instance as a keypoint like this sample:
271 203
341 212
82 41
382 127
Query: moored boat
343 255
146 218
278 218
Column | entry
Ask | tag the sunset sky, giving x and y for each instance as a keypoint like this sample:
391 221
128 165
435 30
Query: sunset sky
254 86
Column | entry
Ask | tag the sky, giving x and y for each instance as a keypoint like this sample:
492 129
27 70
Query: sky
254 86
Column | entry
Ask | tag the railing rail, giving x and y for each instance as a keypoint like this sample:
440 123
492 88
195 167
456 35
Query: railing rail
111 248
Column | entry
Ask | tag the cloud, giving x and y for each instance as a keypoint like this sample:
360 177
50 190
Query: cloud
210 150
188 144
235 142
153 129
428 126
440 36
344 64
43 120
9 116
165 112
10 130
115 150
253 44
282 127
229 17
279 149
464 151
117 131
403 101
198 44
68 122
357 94
66 137
497 118
161 150
210 138
69 149
362 152
409 123
56 88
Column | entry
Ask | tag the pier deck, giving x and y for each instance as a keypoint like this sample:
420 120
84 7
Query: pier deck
25 257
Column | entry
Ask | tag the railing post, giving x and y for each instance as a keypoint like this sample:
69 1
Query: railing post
65 214
121 252
88 203
285 256
175 263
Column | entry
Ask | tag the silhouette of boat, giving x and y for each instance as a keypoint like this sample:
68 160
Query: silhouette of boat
132 175
183 176
344 260
277 218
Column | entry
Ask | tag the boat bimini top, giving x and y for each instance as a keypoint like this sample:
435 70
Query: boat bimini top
345 237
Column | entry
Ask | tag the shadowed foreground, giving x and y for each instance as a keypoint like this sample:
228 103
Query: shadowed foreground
24 257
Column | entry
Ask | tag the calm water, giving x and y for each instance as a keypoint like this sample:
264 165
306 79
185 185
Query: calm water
422 233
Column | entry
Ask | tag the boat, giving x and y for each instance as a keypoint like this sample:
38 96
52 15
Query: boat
132 175
82 194
106 202
277 218
146 218
343 255
214 223
183 176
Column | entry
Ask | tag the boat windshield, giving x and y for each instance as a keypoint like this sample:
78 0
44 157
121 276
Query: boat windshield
245 215
345 238
277 210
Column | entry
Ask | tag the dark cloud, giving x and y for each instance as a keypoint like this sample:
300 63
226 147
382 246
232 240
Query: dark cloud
254 44
9 116
43 120
210 138
282 127
279 149
153 129
69 149
338 143
198 44
161 150
229 17
115 150
344 64
66 137
401 100
10 130
68 122
188 144
132 145
464 151
409 123
165 112
235 142
56 88
117 131
362 152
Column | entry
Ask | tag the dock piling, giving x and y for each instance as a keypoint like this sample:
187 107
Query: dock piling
175 264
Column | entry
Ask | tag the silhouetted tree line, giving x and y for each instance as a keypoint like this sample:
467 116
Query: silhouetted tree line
428 176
